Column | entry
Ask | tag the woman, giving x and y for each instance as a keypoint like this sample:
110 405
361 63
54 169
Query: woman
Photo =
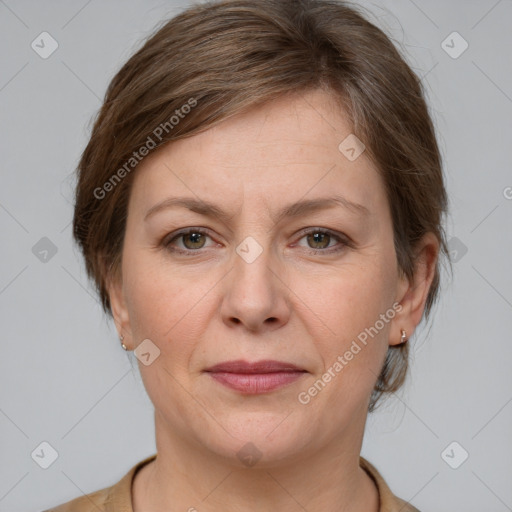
260 206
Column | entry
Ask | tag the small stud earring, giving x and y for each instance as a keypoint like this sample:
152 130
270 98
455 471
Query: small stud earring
403 338
122 344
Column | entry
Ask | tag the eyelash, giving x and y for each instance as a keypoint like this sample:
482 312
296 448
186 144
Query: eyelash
343 241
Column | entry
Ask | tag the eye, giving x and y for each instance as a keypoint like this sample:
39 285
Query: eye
321 241
191 239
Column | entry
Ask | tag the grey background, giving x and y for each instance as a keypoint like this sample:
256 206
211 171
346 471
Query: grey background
65 378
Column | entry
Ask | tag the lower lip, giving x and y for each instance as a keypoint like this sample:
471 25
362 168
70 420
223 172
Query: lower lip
255 383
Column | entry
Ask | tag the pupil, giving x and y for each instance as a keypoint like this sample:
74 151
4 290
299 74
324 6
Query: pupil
195 237
319 237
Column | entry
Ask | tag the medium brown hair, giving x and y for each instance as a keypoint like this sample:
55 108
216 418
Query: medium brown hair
222 58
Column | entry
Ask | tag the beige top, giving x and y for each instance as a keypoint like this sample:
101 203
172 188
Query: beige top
118 497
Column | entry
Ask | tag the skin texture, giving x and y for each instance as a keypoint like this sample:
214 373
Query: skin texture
293 303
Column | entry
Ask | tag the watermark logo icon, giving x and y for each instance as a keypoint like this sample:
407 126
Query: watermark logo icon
44 250
146 352
352 147
249 249
454 455
457 249
454 45
44 455
44 45
249 454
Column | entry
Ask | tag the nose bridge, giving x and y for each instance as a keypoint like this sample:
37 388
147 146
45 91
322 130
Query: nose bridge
254 295
252 268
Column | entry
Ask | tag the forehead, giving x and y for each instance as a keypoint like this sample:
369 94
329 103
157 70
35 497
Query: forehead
275 153
306 125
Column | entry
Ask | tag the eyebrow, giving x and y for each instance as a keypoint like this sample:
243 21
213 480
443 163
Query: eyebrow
292 210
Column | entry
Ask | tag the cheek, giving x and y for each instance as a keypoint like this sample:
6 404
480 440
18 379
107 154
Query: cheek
357 308
164 303
350 299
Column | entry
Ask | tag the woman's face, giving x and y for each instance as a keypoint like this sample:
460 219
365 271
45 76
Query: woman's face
289 258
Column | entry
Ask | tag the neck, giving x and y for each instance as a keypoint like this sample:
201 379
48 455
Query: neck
186 478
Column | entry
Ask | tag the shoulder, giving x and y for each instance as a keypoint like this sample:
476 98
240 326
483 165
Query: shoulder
109 499
388 501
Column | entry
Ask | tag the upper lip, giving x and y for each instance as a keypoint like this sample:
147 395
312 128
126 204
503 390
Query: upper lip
265 366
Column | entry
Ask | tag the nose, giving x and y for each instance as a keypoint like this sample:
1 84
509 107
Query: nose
256 294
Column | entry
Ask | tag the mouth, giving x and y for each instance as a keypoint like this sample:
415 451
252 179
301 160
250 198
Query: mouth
257 377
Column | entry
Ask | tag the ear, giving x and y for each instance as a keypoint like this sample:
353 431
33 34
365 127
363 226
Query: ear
412 293
118 307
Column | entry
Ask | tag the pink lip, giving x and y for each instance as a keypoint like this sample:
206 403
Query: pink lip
257 377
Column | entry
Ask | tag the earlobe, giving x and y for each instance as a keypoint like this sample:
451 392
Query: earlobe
412 293
119 310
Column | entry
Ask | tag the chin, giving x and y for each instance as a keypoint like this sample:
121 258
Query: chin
258 439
